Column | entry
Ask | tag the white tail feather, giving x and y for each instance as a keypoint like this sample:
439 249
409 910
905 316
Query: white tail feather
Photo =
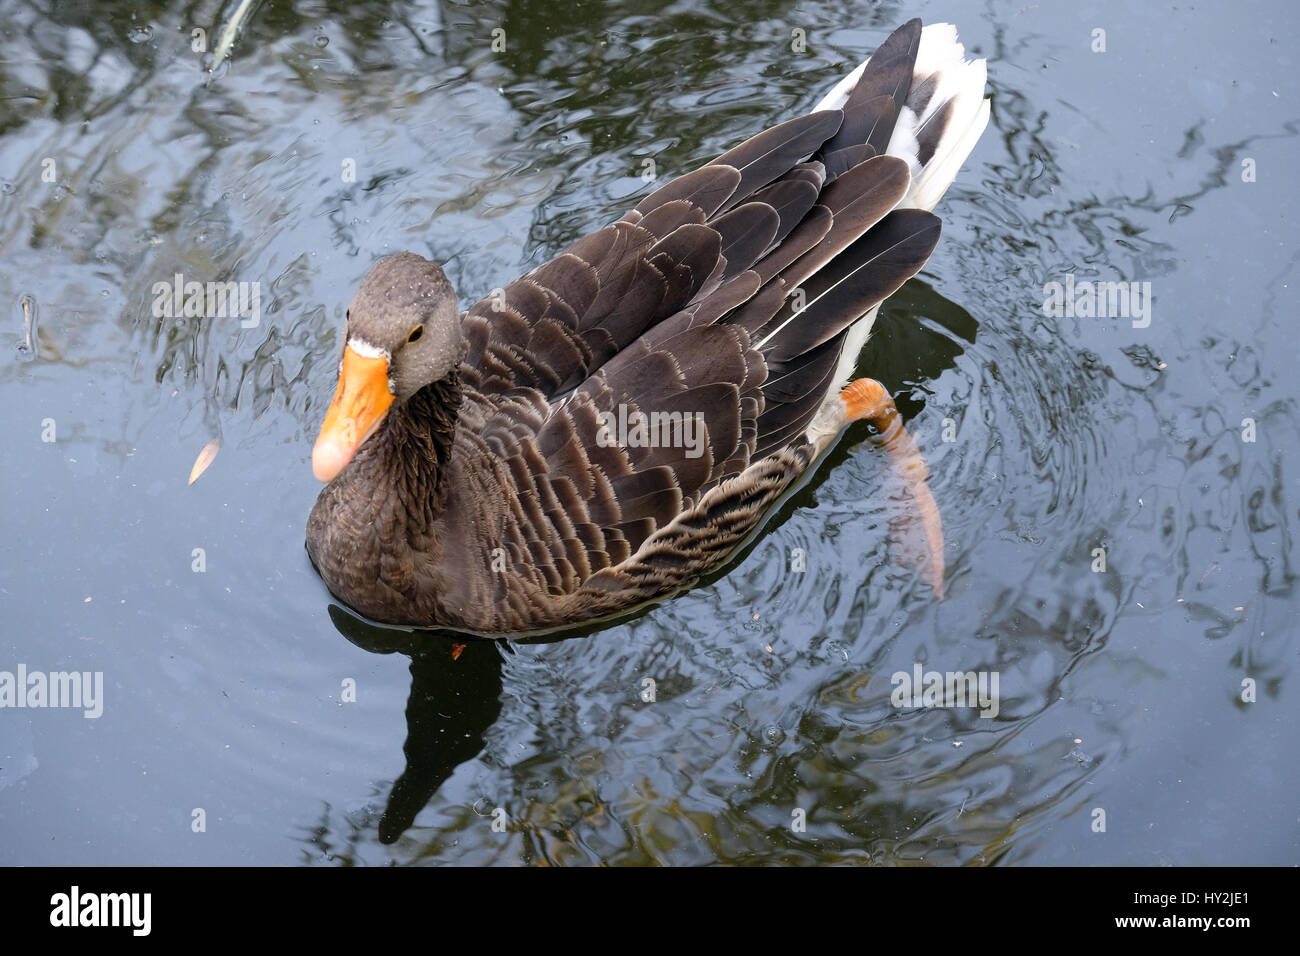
940 58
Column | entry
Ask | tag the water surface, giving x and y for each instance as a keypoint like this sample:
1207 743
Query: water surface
227 690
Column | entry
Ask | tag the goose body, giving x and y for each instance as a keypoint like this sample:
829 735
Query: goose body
614 423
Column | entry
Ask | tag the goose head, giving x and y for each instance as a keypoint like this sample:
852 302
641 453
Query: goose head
402 333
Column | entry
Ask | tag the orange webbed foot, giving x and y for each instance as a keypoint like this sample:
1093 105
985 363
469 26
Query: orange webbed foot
920 528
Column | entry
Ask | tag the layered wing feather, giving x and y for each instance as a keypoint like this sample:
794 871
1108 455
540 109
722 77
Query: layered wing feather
718 309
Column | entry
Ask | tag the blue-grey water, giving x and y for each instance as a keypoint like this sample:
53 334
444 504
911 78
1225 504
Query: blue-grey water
1147 713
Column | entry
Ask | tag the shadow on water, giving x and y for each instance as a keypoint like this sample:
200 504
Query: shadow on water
455 697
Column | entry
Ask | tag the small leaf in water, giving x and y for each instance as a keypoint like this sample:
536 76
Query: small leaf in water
205 459
456 650
228 34
27 347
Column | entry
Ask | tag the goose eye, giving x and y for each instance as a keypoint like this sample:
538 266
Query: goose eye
415 333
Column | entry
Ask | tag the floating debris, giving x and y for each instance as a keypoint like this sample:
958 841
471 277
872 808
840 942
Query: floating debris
229 33
28 346
205 459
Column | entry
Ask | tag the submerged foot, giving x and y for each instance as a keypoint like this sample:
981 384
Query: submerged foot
919 527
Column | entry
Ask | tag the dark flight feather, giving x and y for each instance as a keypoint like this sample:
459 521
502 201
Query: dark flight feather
724 299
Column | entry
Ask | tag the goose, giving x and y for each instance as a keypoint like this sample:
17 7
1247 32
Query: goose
601 432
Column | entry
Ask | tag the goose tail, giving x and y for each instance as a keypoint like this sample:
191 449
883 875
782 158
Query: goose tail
941 116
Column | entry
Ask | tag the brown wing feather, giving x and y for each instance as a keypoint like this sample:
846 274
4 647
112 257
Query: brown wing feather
680 310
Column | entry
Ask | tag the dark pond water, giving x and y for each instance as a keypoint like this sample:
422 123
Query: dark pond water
1169 159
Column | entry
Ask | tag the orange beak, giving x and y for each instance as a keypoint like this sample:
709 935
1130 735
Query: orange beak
360 403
